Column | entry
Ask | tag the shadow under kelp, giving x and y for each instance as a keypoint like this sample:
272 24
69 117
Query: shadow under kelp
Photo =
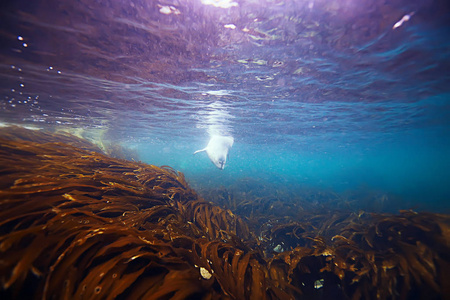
77 223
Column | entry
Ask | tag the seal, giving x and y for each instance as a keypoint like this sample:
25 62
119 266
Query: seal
217 149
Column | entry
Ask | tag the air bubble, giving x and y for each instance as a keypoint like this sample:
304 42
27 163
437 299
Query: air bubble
98 289
230 26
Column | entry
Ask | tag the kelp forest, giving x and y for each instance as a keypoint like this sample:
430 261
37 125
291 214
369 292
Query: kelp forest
76 223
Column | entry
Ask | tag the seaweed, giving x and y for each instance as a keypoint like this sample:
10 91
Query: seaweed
76 223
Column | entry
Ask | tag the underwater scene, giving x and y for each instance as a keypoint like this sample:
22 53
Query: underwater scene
225 149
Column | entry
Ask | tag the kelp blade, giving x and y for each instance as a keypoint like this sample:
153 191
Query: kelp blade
76 223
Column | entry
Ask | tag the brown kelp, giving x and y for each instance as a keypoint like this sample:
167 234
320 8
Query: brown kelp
75 223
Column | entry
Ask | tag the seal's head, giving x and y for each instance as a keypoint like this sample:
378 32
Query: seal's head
219 161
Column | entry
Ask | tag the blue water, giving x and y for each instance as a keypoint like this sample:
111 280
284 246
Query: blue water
320 96
415 166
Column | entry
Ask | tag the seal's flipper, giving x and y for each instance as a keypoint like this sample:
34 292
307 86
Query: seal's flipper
199 151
